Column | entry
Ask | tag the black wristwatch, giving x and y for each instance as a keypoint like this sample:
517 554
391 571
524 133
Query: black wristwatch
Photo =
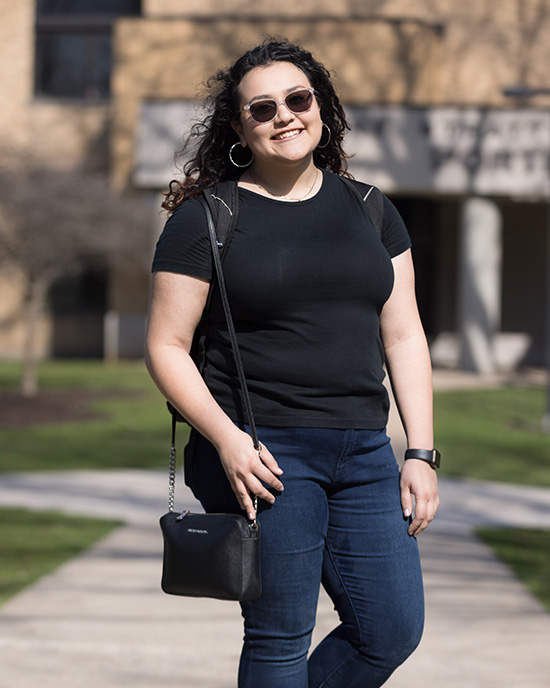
431 456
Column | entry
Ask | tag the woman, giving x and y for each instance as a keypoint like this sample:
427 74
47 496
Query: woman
320 302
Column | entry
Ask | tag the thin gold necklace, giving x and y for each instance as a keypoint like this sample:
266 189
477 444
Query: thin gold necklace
288 198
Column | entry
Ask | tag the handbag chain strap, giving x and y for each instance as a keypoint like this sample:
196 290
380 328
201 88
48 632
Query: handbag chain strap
172 467
238 362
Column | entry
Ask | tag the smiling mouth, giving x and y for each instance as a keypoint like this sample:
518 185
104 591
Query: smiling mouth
286 135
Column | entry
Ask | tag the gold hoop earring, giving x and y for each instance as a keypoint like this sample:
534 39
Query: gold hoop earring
236 163
329 137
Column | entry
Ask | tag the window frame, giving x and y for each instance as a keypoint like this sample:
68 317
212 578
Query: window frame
85 26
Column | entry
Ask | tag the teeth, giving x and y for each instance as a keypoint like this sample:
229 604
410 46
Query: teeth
287 134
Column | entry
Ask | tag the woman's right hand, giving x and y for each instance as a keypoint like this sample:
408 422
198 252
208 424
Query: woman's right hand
249 471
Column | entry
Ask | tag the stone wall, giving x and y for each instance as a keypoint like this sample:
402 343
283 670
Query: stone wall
414 52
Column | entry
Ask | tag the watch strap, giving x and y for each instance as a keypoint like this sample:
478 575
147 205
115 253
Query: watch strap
431 456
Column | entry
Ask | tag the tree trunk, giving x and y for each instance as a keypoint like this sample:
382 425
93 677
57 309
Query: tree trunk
34 299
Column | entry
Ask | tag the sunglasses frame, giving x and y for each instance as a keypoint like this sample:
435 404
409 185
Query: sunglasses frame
278 104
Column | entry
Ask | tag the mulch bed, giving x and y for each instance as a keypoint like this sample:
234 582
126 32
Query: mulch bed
48 406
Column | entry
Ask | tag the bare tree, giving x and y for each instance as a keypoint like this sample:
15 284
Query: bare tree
55 223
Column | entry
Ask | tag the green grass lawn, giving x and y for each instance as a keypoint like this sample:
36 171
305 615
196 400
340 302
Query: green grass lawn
527 553
132 429
35 543
493 434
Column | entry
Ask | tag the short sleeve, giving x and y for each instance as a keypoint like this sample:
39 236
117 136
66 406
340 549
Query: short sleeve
395 237
184 244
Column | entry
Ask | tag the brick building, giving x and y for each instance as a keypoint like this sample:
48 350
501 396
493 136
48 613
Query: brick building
116 83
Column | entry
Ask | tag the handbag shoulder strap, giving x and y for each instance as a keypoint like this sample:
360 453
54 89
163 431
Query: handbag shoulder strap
217 254
230 325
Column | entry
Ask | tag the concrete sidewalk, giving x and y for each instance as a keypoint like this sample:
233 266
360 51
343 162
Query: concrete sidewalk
102 621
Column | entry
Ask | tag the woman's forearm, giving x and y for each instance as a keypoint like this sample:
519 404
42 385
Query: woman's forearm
180 382
407 356
409 367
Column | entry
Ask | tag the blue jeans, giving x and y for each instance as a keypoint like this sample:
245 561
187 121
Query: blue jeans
338 522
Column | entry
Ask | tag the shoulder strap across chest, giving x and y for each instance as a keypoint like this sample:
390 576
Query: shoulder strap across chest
223 200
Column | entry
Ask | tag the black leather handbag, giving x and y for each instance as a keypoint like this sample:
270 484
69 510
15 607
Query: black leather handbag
212 555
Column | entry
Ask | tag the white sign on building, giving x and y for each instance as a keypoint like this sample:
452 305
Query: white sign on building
417 150
452 150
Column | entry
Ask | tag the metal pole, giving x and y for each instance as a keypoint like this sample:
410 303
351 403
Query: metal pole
545 424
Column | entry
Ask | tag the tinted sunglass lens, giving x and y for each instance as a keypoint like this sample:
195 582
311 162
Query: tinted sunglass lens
264 110
299 101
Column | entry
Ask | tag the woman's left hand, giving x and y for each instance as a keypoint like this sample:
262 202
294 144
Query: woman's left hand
419 480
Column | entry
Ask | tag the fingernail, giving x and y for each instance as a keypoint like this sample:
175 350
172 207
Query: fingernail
406 513
251 516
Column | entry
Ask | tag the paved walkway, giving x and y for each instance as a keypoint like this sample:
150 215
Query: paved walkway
101 620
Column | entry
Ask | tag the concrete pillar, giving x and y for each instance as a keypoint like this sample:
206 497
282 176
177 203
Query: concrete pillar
111 336
480 284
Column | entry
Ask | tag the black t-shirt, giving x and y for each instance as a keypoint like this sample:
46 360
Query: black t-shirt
306 283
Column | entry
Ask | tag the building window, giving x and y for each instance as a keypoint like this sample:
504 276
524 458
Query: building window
73 46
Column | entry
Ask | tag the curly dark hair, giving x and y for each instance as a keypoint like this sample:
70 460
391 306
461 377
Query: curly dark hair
214 136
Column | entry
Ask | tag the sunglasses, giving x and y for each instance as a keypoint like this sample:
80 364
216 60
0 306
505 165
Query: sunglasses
266 110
